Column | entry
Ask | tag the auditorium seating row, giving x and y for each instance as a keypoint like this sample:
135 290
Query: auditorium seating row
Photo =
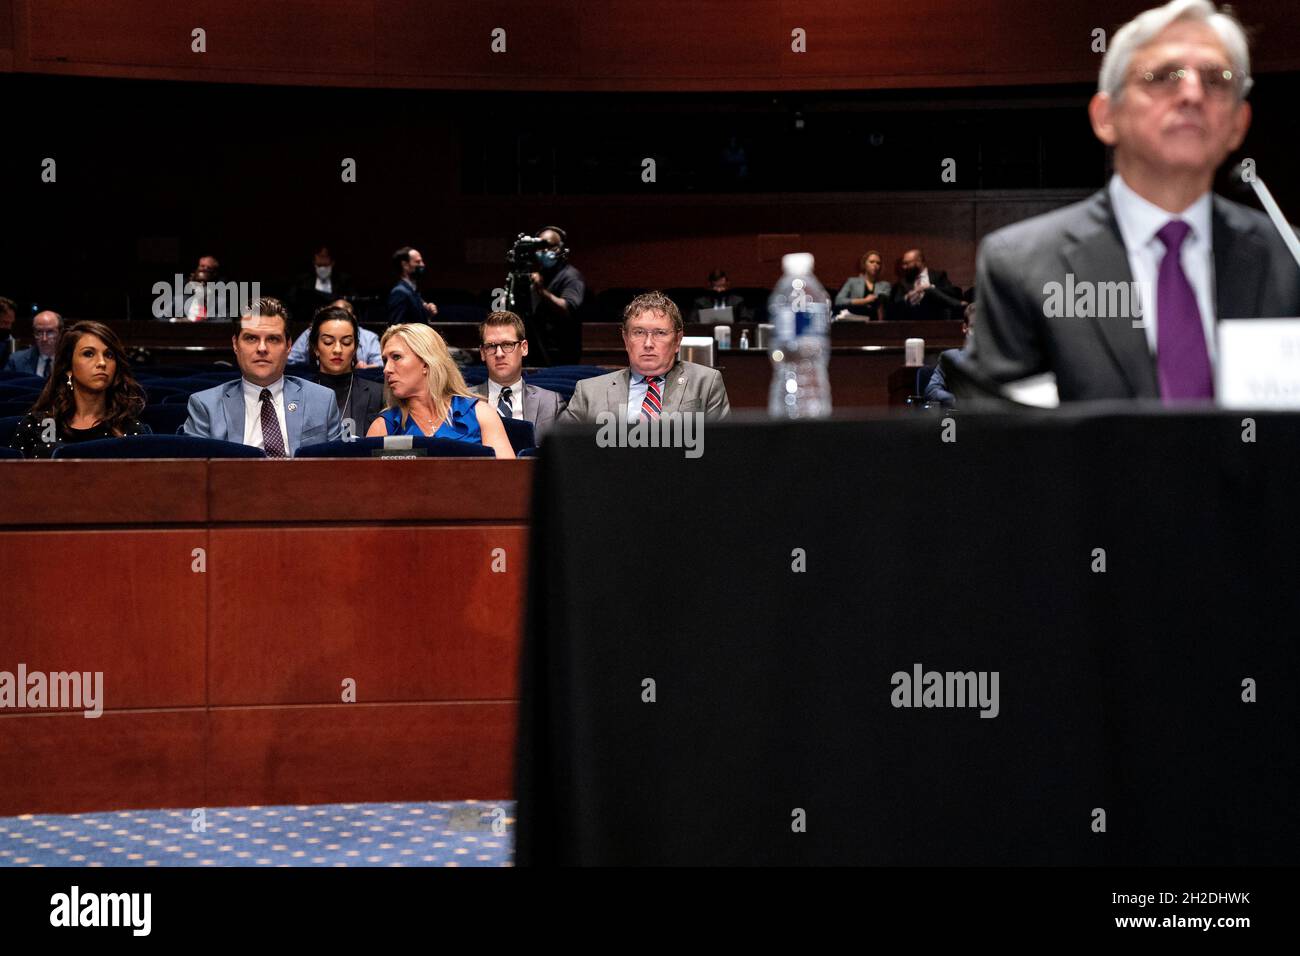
168 390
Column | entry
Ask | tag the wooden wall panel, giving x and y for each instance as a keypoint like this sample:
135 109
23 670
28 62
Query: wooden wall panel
102 492
470 489
68 764
361 752
308 36
122 602
597 45
409 613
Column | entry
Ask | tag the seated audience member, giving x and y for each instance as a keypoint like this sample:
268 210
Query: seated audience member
367 342
719 298
318 288
504 349
936 390
865 294
405 304
8 312
924 293
427 395
656 382
265 408
90 394
38 359
333 342
199 304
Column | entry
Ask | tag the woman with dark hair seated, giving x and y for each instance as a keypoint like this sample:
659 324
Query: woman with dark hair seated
91 394
332 348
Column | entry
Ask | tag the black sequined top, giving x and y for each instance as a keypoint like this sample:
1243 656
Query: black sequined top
29 438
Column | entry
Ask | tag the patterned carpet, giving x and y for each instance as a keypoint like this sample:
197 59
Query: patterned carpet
469 833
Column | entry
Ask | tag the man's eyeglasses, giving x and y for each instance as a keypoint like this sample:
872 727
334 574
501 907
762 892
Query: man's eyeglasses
640 335
505 347
1216 80
45 334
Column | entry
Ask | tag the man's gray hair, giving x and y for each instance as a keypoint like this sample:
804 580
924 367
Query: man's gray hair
1143 28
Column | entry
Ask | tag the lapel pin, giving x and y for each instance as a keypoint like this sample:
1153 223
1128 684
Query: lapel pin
293 406
682 380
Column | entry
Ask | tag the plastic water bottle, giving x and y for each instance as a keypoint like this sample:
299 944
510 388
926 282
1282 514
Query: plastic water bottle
744 338
800 310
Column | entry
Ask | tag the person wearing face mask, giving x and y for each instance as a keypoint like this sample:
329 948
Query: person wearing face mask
332 344
559 294
405 304
924 293
318 288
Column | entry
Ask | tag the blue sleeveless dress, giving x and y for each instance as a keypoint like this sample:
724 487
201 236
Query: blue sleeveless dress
461 423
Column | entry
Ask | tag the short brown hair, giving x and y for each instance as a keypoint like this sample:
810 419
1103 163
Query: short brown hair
7 305
502 318
266 306
653 302
862 259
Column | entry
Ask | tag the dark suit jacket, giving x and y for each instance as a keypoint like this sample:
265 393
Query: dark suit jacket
303 299
541 406
7 344
1103 358
363 405
24 360
739 312
405 305
942 300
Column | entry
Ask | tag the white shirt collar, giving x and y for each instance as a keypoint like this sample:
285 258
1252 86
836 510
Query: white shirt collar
254 392
1140 219
516 387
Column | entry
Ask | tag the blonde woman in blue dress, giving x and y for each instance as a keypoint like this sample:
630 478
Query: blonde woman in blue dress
425 393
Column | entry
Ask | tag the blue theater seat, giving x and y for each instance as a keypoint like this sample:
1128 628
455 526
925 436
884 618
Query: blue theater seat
6 452
15 407
164 419
520 433
363 447
8 425
158 446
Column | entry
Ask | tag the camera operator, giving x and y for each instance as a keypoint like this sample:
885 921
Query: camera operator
559 293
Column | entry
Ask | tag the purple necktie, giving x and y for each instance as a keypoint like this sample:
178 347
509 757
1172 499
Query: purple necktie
1181 357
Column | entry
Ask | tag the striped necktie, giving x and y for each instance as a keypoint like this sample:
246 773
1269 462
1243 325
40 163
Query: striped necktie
503 403
653 401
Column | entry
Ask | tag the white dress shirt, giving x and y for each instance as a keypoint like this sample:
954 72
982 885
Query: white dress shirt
516 396
1139 221
42 363
253 412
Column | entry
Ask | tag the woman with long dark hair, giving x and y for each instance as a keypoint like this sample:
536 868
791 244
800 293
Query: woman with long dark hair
332 346
91 394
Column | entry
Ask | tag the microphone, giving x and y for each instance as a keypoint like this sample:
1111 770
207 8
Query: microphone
1271 207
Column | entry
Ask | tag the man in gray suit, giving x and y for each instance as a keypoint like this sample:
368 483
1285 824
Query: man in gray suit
504 347
656 383
265 408
1056 293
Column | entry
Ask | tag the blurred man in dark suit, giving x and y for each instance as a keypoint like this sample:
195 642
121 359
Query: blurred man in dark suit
718 297
1171 103
317 289
922 293
405 304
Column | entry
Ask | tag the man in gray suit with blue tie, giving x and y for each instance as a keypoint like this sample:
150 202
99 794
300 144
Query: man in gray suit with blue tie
504 347
265 408
656 383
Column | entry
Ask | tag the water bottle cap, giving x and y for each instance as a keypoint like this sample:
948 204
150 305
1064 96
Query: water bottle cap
797 263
